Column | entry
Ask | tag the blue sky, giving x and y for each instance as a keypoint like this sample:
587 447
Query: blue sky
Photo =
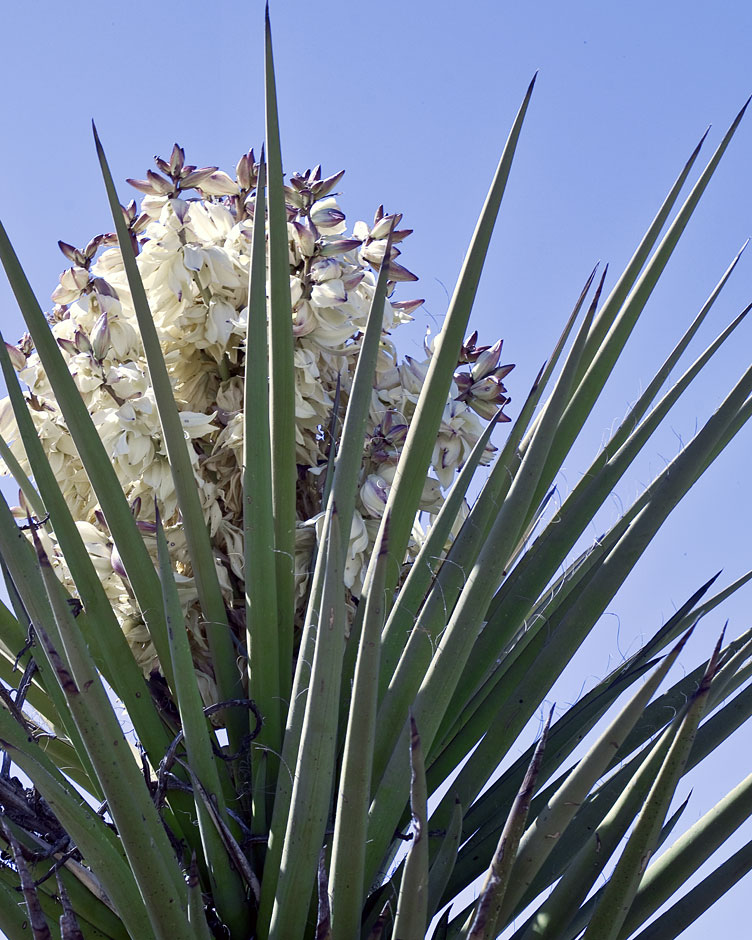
414 100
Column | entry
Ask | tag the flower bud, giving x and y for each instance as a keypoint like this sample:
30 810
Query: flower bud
246 171
218 184
196 177
382 228
327 216
94 245
100 337
177 160
17 358
81 341
398 273
117 563
322 188
338 246
486 361
104 288
72 254
407 307
305 239
401 235
67 345
374 494
375 252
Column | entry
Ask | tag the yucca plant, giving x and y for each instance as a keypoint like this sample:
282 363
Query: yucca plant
268 642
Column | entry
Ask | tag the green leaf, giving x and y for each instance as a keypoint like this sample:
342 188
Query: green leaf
153 863
411 919
264 664
354 792
618 894
281 375
227 887
314 772
490 902
443 864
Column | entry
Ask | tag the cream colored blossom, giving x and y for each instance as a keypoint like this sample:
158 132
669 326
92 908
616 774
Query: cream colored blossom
193 235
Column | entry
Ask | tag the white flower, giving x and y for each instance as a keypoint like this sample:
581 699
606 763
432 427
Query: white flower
194 258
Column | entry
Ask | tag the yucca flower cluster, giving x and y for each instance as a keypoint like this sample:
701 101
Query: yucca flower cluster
192 236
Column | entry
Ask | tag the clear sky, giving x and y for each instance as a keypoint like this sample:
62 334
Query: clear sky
414 100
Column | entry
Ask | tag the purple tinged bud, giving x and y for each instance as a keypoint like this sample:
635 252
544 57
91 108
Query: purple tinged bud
398 273
502 371
374 494
17 358
486 389
177 160
408 306
162 165
218 184
129 211
67 345
401 235
246 171
117 563
351 281
339 246
143 186
99 516
148 528
81 341
93 246
136 507
104 287
463 381
305 238
379 215
323 187
486 361
196 177
159 184
100 337
381 228
72 254
327 218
